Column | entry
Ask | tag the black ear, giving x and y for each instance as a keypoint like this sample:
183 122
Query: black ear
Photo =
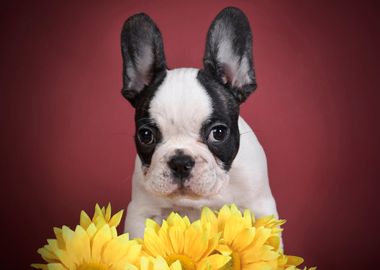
143 55
228 56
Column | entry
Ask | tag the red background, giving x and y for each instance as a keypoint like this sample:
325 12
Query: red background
66 132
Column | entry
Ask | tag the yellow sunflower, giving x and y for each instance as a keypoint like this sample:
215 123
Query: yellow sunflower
192 244
89 247
252 244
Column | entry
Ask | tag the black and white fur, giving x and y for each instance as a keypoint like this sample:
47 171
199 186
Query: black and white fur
194 149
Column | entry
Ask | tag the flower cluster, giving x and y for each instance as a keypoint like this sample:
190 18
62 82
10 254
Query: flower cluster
225 240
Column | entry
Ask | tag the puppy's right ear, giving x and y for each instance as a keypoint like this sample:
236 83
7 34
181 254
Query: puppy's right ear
143 55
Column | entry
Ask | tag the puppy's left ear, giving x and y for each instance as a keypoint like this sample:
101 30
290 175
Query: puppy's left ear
228 55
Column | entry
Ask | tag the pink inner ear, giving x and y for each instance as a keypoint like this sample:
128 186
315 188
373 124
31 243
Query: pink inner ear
227 74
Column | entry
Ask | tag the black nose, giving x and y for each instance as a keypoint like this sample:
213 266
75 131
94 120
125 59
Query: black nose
181 165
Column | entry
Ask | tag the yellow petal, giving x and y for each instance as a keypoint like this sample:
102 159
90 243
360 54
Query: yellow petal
39 266
65 258
67 234
145 264
98 242
235 210
115 220
58 235
150 223
243 239
107 215
153 244
233 226
294 260
208 216
223 215
46 254
116 249
274 241
247 218
56 266
176 266
262 235
132 254
177 238
224 249
215 261
192 237
91 230
259 266
84 219
198 242
79 246
113 232
176 220
129 266
160 264
255 255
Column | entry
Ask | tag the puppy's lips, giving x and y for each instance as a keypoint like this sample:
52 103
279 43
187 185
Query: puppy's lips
184 192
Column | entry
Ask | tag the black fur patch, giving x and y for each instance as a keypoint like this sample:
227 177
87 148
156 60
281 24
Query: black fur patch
225 109
143 118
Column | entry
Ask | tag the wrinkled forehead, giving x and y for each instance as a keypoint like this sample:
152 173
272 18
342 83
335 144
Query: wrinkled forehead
181 104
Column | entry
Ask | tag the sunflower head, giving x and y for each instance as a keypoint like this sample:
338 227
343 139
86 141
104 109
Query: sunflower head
90 247
177 239
252 243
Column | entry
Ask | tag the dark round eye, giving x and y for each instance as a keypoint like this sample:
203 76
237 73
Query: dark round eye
146 136
218 133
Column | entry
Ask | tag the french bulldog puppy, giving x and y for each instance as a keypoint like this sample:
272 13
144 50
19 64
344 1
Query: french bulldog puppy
193 148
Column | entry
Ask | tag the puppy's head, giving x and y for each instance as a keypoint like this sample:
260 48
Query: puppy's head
186 119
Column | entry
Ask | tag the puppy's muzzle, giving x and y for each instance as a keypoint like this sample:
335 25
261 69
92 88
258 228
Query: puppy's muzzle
181 166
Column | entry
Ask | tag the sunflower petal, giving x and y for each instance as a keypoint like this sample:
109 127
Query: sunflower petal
79 247
176 235
215 261
100 239
176 266
243 239
153 244
259 266
294 260
107 215
84 219
39 266
115 219
56 266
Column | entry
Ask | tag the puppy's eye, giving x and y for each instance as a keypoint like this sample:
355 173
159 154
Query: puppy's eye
146 136
218 133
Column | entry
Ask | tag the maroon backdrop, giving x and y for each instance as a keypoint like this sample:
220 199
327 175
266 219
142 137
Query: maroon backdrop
66 132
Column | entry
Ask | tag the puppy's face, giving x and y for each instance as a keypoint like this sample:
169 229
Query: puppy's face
186 135
186 120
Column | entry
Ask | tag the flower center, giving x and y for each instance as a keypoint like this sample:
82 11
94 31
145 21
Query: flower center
186 262
93 266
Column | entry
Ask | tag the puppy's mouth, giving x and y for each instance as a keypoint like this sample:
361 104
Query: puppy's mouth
184 192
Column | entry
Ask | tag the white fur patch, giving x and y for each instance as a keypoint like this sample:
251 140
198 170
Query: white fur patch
180 105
